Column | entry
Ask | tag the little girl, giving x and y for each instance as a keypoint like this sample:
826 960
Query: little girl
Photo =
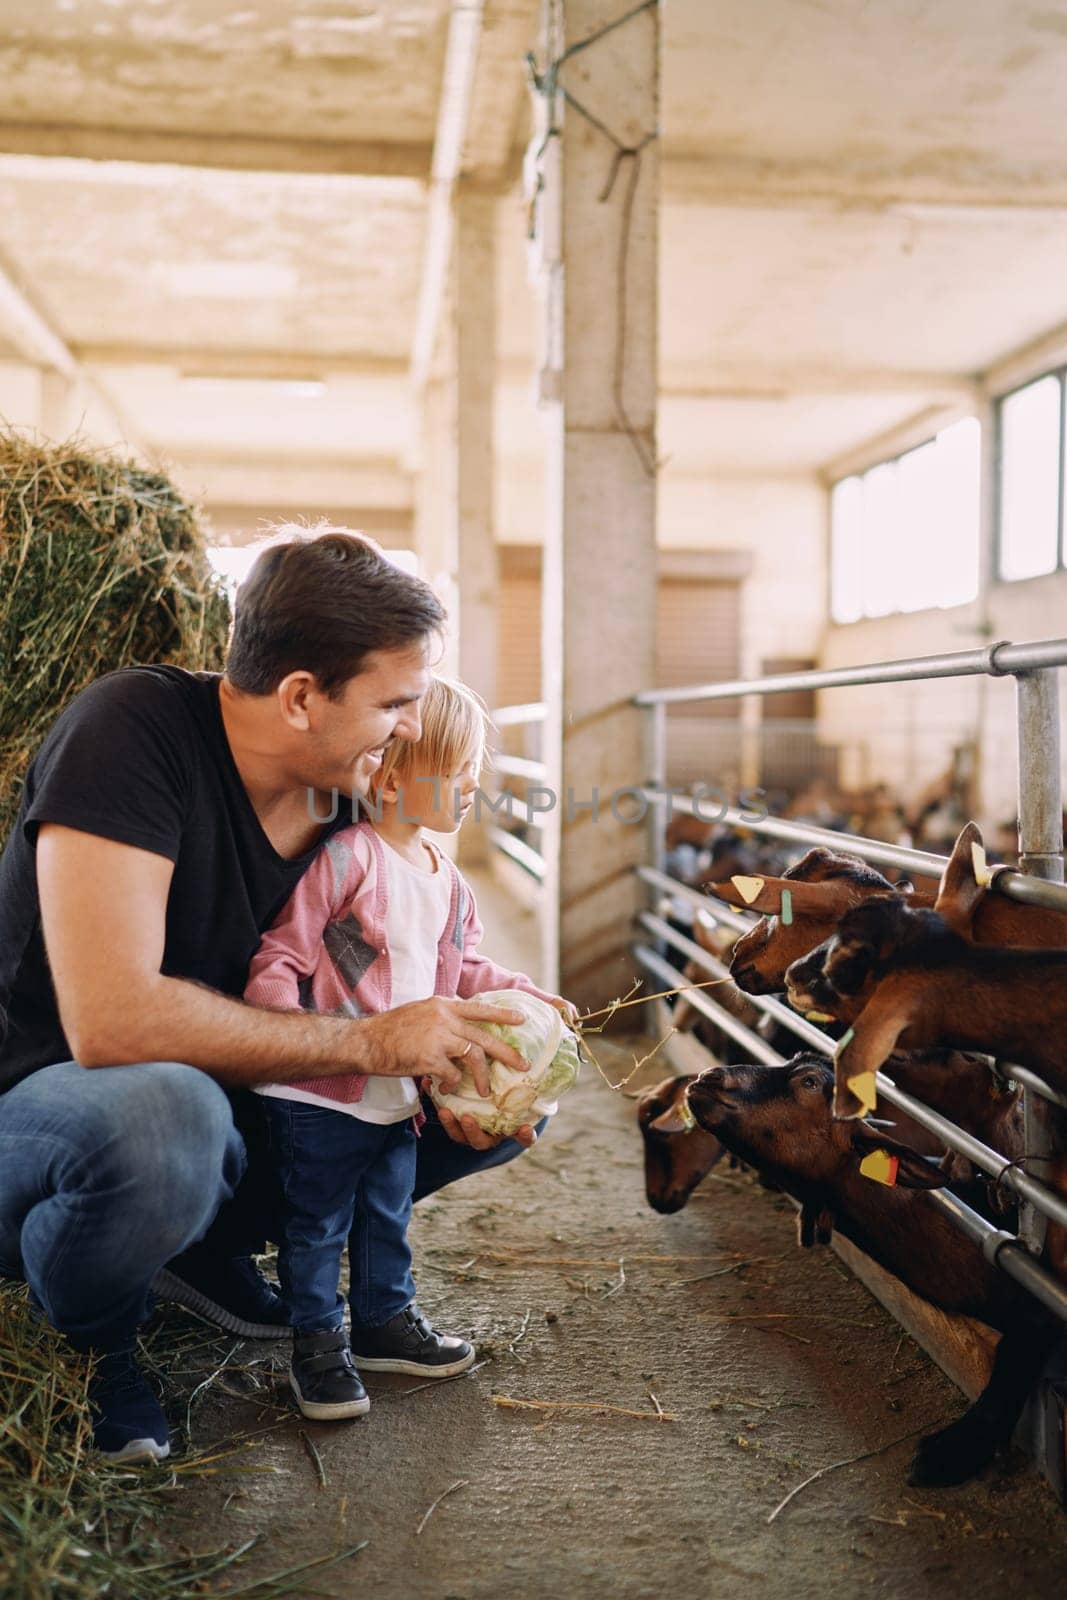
381 918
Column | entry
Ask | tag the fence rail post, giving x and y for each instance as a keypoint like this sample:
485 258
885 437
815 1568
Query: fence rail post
656 768
1041 856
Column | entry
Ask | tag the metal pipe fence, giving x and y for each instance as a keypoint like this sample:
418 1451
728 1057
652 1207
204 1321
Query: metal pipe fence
1039 882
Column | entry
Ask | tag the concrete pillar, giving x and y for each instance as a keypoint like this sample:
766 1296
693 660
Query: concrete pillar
476 555
454 492
435 501
600 535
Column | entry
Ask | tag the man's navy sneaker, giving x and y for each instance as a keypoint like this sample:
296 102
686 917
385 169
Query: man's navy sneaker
128 1421
229 1291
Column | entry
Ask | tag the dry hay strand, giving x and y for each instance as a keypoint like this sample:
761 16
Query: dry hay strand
507 1402
102 565
622 1003
72 1523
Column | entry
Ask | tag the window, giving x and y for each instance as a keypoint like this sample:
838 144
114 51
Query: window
904 534
1031 480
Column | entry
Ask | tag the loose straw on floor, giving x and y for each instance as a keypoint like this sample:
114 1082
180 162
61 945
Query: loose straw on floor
506 1402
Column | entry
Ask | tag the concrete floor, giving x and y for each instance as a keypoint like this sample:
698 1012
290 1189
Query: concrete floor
775 1363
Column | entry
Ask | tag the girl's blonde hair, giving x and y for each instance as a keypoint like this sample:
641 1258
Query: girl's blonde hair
455 730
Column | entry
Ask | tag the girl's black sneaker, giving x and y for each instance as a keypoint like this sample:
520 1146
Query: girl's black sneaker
407 1343
324 1379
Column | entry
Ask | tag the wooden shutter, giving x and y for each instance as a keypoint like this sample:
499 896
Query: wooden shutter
698 640
518 668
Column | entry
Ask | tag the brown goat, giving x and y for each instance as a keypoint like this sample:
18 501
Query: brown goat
780 1121
917 983
824 885
912 978
677 1159
821 887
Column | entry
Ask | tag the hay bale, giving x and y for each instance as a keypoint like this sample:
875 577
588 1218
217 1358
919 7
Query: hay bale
102 565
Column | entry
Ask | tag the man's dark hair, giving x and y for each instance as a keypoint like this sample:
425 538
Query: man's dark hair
322 605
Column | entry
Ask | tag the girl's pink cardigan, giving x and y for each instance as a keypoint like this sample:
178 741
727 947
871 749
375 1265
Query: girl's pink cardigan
328 952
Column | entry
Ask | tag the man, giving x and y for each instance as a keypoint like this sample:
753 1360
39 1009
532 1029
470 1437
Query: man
164 822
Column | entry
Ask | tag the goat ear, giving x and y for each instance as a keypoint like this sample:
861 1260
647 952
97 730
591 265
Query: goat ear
676 1119
861 1051
782 897
912 1170
964 881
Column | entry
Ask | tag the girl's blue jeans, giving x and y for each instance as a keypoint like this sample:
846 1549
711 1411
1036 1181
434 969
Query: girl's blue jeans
342 1181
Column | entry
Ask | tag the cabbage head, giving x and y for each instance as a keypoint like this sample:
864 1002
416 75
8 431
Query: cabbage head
545 1041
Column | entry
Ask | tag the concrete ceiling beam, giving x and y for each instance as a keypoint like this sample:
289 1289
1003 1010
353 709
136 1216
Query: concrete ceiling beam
706 181
28 332
277 366
754 381
314 480
378 158
25 327
457 84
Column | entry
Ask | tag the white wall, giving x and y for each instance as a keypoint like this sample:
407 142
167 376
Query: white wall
904 732
780 523
20 394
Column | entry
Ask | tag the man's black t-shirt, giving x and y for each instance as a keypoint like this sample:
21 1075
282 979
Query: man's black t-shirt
141 756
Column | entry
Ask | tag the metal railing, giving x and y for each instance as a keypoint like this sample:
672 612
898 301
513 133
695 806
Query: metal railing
1038 882
506 765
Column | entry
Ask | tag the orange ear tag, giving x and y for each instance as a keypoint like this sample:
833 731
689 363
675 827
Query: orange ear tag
748 888
865 1087
880 1166
982 875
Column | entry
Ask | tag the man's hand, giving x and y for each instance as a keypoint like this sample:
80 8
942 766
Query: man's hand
465 1130
430 1038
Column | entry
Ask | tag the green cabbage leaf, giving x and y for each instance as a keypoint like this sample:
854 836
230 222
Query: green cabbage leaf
515 1098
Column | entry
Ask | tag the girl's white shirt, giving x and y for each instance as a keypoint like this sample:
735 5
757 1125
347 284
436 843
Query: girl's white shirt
418 904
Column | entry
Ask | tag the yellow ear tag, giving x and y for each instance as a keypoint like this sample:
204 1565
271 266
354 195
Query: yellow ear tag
865 1087
748 888
982 875
689 1122
880 1166
818 1016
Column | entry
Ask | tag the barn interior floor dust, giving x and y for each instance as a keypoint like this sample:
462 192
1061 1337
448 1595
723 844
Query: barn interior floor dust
776 1363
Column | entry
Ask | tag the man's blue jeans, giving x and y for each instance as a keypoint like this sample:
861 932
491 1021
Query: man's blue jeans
105 1175
342 1179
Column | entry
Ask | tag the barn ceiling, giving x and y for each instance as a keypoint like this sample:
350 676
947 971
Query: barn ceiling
862 205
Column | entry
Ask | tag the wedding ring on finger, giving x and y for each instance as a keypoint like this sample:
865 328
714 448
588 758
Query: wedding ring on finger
466 1052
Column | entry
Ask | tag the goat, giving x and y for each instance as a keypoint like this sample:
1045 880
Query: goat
780 1121
679 1154
913 978
824 885
913 981
678 1158
816 892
